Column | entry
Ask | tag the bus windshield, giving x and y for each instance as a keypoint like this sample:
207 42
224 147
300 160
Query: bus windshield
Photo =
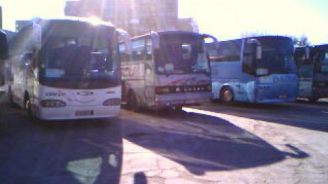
277 55
181 54
324 62
78 52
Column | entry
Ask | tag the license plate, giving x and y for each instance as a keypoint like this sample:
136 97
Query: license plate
283 96
83 113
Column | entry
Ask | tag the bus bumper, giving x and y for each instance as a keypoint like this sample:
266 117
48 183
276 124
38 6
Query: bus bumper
73 113
320 92
285 100
183 99
278 93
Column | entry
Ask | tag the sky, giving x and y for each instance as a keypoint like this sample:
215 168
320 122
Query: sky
229 19
225 19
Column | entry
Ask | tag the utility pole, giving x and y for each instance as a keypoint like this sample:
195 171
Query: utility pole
0 17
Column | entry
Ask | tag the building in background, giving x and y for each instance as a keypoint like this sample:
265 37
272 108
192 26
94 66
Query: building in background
135 16
187 24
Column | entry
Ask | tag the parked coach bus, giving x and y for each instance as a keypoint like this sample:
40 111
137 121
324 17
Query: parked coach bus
256 70
3 55
66 69
312 65
166 70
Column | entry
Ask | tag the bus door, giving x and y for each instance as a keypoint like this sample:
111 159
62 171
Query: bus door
149 71
305 72
3 56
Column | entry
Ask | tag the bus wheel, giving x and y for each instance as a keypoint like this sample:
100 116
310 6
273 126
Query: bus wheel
313 99
132 103
226 95
28 108
178 108
10 97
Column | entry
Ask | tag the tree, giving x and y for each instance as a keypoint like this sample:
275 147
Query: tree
301 41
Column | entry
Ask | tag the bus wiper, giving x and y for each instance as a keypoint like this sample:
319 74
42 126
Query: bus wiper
196 69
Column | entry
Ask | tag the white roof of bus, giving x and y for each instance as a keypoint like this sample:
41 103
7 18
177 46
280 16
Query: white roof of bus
91 20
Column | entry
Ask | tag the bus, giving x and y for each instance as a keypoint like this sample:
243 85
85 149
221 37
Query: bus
254 70
312 67
66 69
167 69
3 55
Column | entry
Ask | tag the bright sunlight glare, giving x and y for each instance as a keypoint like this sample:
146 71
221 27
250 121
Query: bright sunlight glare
233 18
224 19
21 10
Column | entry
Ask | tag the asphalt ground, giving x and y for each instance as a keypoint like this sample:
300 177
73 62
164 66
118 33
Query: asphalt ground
214 143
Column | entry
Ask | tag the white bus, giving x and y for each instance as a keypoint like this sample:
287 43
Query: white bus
165 70
66 69
3 55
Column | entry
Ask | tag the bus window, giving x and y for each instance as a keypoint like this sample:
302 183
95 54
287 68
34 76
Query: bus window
149 49
324 62
249 59
229 51
325 58
138 49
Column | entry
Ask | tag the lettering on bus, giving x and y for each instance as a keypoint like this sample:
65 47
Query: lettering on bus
132 71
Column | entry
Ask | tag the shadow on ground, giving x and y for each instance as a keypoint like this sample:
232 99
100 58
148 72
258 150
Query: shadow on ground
202 143
69 152
306 115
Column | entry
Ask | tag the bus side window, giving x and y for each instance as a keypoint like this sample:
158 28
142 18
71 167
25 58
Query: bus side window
229 52
149 49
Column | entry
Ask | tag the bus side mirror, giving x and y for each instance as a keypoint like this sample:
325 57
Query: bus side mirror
256 47
155 39
36 36
3 46
125 38
258 52
307 53
209 39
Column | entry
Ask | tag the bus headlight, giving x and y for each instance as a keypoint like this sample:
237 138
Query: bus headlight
162 90
52 103
112 102
262 71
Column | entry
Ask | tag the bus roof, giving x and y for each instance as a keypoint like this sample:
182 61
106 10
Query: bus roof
2 32
72 19
324 46
170 33
259 37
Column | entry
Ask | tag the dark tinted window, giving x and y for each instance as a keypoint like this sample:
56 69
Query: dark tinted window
229 51
138 49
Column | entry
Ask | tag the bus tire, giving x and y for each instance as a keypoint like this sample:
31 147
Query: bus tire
28 108
226 95
178 108
10 97
313 99
132 102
